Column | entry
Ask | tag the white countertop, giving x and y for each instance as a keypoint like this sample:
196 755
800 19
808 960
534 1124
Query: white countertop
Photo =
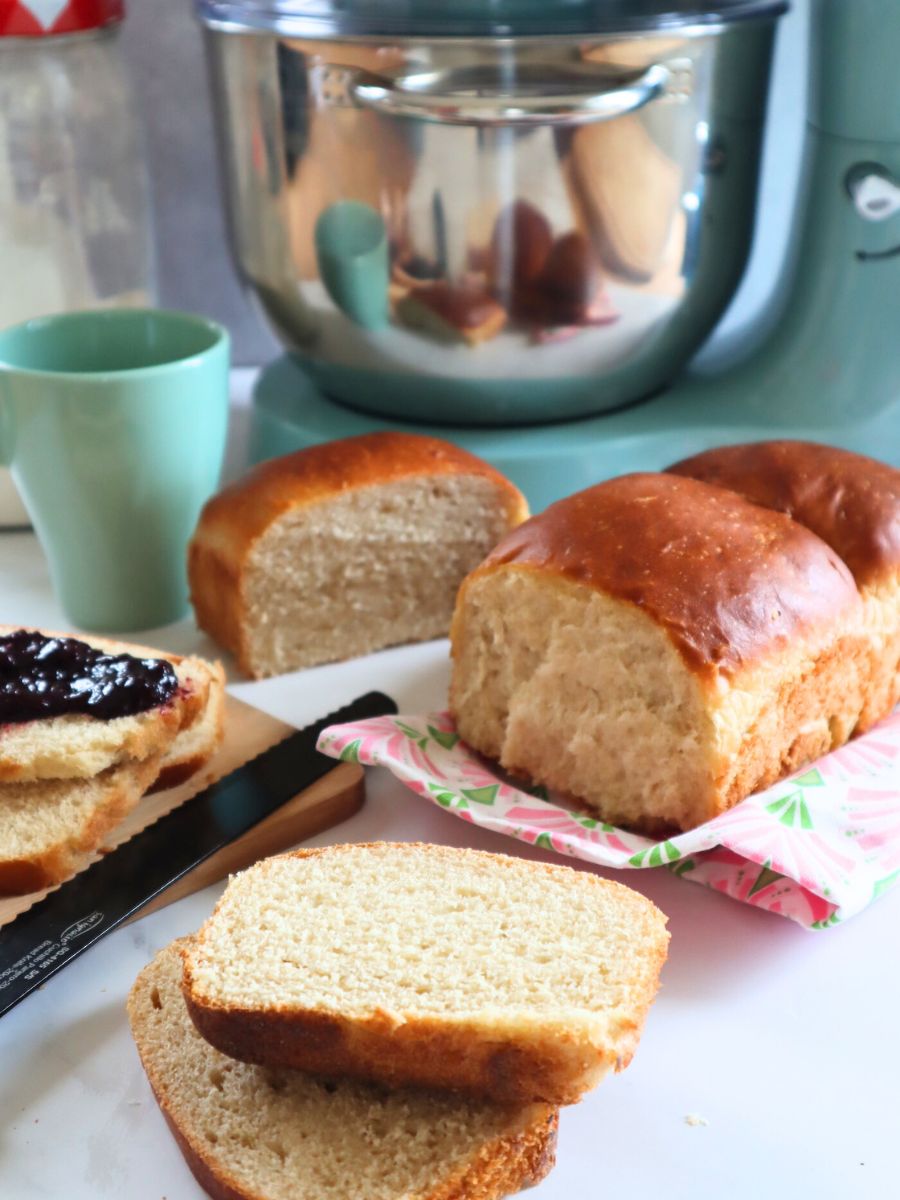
783 1042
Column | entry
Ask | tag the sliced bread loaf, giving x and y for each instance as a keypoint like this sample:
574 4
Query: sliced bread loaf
250 1133
77 745
420 964
48 826
344 548
659 649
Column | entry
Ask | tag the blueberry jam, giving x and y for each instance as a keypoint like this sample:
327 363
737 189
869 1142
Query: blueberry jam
52 677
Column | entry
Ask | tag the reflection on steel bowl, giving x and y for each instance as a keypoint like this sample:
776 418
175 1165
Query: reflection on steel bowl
554 223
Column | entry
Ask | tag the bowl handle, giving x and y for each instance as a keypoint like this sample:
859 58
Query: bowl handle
411 97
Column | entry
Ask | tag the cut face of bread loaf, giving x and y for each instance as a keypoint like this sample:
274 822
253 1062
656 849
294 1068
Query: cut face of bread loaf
420 964
250 1133
852 503
658 648
344 548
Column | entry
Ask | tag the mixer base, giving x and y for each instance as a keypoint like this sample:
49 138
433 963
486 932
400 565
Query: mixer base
551 461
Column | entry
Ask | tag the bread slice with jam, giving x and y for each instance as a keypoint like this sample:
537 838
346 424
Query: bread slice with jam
136 700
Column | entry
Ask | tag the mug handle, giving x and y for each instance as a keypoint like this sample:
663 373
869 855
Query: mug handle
412 96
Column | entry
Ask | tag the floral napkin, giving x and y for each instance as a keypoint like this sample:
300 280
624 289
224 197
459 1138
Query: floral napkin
817 847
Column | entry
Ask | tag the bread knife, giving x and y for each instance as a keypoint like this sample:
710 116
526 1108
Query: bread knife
50 934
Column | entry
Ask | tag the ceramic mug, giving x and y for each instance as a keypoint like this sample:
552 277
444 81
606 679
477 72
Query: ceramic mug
114 424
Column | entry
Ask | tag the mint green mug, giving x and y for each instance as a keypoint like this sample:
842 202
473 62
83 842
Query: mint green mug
114 423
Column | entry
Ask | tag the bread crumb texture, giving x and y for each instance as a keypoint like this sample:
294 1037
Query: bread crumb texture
371 568
50 825
250 1133
426 964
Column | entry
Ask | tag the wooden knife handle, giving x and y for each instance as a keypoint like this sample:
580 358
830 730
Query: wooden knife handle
331 799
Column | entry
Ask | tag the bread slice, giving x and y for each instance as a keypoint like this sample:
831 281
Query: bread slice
248 1133
78 746
344 548
48 826
196 743
420 964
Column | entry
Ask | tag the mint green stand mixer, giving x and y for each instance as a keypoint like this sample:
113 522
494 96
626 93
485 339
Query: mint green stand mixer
828 369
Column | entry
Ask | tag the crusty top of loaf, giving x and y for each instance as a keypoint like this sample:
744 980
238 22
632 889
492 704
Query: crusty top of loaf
242 511
729 581
850 501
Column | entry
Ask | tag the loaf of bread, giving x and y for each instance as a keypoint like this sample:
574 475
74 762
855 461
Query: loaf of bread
852 503
250 1133
424 965
67 780
344 548
658 648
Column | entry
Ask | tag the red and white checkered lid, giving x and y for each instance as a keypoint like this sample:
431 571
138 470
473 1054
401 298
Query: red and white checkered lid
38 18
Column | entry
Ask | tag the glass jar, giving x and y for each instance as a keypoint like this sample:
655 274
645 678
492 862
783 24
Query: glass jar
75 218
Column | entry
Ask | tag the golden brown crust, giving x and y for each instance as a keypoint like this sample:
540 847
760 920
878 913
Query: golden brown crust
553 1066
884 690
232 520
850 501
809 717
195 676
180 772
214 1182
238 514
419 1053
19 876
217 595
507 1165
731 583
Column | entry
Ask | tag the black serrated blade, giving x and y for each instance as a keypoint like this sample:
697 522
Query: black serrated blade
67 922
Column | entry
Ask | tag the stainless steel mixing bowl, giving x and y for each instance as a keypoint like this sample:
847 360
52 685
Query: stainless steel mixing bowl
497 228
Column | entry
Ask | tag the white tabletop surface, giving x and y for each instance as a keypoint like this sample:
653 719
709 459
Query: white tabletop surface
769 1067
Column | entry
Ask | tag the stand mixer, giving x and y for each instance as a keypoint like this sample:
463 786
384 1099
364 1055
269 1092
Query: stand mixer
828 368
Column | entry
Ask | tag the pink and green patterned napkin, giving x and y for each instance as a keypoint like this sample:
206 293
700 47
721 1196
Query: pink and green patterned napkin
817 847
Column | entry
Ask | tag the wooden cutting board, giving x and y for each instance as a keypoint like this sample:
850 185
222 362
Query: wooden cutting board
334 798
